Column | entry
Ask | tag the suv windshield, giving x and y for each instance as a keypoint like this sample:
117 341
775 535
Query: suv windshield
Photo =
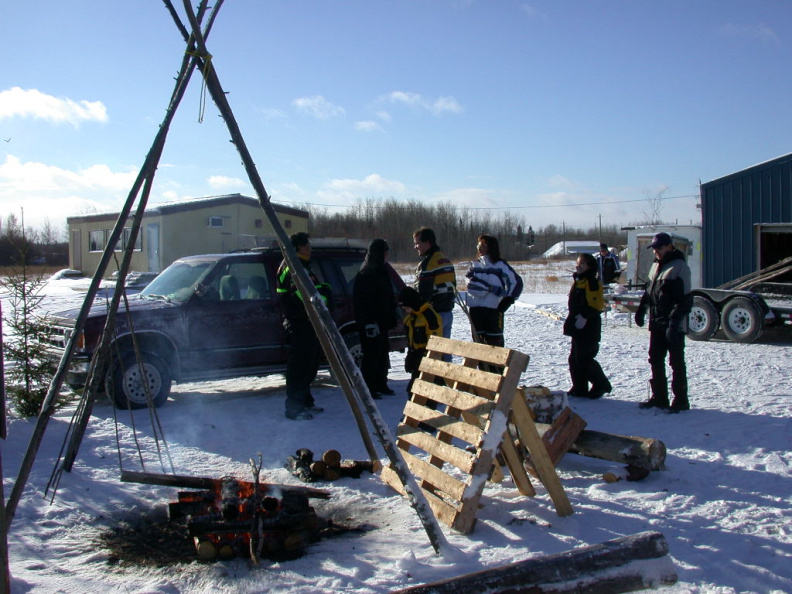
178 281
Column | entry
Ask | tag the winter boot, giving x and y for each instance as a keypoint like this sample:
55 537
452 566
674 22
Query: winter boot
680 403
659 397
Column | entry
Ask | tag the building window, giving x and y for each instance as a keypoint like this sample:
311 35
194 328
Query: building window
287 223
259 224
96 240
215 221
125 239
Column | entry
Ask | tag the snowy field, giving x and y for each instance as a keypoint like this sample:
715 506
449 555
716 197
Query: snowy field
724 501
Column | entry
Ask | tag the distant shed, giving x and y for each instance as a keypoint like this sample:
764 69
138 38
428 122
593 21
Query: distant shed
168 231
747 220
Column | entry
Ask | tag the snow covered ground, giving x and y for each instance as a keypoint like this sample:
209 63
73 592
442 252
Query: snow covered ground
724 502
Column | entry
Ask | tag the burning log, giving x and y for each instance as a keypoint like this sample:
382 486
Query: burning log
229 517
626 564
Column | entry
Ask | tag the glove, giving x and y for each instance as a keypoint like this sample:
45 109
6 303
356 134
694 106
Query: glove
640 318
580 322
505 304
372 330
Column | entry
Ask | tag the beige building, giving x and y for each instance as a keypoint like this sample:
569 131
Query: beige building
218 224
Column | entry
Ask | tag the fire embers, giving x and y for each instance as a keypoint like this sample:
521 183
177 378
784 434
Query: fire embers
241 519
329 468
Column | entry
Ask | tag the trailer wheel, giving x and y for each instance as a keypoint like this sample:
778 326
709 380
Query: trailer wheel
703 320
128 391
742 320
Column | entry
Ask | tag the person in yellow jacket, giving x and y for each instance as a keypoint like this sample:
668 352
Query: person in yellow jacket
421 322
584 325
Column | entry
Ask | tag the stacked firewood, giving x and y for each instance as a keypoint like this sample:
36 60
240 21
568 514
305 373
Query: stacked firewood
329 468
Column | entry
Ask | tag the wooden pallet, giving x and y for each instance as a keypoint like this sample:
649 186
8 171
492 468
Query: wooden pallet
459 429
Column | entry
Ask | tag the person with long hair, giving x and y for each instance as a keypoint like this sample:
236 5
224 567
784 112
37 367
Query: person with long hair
492 287
375 314
584 325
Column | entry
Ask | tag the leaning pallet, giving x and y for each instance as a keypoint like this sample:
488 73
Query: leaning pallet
457 424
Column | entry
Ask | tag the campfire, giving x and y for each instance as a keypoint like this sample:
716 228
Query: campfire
242 519
229 517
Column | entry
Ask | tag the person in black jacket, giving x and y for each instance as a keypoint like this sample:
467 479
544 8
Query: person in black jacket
608 265
667 298
584 325
375 314
304 349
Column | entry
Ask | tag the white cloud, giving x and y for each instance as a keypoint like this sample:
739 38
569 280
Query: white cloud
436 106
368 126
17 102
222 182
373 185
47 191
762 33
318 107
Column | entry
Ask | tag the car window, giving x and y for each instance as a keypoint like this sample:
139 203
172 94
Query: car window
340 273
233 281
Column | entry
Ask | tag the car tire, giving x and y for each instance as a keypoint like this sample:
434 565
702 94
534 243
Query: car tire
703 320
742 320
352 341
127 390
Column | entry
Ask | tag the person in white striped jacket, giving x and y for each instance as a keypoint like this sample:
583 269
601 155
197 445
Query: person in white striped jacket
492 288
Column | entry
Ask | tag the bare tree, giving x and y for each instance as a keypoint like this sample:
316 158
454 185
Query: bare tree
654 203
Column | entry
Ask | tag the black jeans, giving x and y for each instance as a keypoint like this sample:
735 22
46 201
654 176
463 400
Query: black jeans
659 347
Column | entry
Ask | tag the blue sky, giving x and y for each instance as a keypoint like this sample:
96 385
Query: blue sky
559 111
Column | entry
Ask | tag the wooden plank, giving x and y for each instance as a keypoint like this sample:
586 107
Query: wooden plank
474 350
453 398
459 429
453 455
439 479
443 511
562 434
466 375
514 462
544 467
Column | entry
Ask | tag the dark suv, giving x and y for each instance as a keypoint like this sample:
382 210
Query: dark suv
212 317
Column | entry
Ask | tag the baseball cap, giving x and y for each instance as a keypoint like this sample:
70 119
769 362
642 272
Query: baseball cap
659 240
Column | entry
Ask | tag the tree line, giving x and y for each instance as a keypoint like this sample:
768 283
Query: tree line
456 228
24 245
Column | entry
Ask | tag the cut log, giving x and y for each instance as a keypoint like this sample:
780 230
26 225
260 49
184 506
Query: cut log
199 482
626 564
644 452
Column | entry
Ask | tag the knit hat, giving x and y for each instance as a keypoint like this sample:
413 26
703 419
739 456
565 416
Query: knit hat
411 298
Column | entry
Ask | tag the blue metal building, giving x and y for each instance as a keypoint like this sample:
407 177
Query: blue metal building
747 221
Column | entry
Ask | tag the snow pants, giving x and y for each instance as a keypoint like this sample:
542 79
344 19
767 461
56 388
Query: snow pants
302 364
659 347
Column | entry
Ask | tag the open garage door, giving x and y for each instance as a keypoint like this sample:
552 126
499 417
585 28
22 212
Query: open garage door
775 244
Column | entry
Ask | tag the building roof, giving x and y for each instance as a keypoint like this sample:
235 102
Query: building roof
164 208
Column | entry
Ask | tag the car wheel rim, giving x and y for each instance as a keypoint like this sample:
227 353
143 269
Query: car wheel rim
135 390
